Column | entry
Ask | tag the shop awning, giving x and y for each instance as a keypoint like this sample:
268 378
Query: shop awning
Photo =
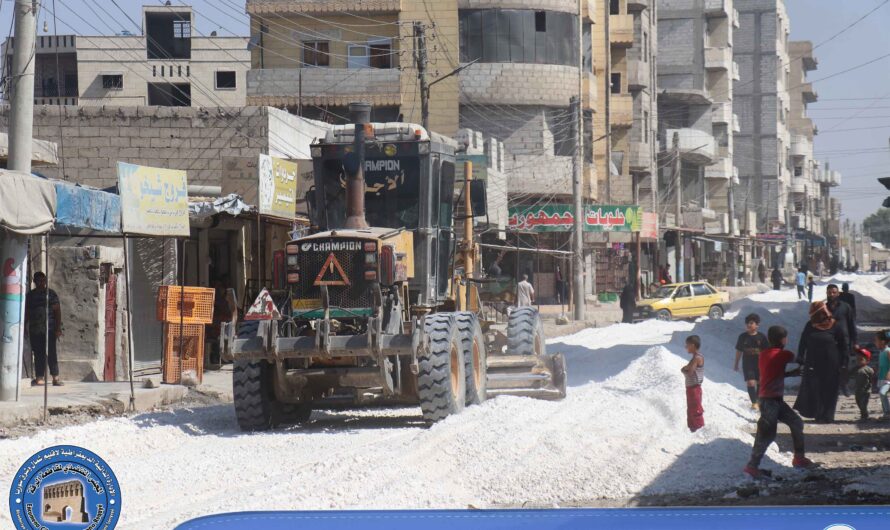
92 209
27 203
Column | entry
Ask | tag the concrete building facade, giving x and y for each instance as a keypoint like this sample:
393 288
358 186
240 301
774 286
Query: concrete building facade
168 65
695 75
806 194
761 100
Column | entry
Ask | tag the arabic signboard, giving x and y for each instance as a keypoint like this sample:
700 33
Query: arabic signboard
277 187
480 167
559 218
154 201
649 229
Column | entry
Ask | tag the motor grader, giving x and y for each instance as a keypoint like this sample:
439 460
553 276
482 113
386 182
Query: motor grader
382 306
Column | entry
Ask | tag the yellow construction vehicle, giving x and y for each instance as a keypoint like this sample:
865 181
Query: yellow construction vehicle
377 313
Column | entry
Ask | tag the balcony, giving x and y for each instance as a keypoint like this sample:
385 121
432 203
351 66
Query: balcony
718 58
621 30
809 93
722 170
640 157
697 147
834 178
722 113
322 7
801 146
717 8
323 86
637 74
799 185
637 5
621 110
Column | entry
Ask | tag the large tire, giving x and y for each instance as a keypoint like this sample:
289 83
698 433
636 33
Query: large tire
525 332
441 382
473 345
251 391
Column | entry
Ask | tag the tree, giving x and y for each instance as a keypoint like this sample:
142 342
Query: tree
877 226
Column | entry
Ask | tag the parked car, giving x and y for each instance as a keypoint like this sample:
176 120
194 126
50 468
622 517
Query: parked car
683 300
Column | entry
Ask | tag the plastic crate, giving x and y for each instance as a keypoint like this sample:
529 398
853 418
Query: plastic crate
191 358
197 306
608 297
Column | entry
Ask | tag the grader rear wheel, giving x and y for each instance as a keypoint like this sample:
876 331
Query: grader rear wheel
475 356
442 380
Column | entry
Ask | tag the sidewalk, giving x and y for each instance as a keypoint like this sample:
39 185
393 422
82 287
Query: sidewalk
107 398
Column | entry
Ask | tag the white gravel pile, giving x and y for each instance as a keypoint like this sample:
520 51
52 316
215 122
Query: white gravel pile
621 432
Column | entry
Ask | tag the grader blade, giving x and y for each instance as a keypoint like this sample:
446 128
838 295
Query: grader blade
534 376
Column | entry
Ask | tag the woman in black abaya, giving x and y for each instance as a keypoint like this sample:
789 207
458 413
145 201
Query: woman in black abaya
819 353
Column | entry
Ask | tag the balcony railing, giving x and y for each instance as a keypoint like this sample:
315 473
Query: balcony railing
722 170
637 74
323 86
695 146
721 113
801 146
621 30
717 8
55 91
718 58
621 110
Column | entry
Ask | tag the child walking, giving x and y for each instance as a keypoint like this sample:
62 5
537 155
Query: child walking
864 376
694 372
773 408
747 350
882 340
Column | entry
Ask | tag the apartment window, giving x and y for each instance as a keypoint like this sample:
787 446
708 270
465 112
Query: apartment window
113 81
182 29
188 71
226 80
381 54
614 7
645 50
316 53
616 83
721 133
162 70
154 70
645 127
798 171
179 70
540 22
587 48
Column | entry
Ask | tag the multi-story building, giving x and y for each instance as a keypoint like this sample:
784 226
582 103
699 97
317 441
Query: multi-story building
697 123
806 211
314 57
625 55
762 148
167 65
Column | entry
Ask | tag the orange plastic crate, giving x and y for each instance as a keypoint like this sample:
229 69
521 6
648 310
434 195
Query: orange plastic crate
190 358
197 304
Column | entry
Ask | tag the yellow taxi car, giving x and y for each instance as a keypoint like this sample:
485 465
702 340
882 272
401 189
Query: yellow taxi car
683 300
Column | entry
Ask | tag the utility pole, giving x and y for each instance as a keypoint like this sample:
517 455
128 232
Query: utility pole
15 246
733 254
421 59
21 113
678 182
578 290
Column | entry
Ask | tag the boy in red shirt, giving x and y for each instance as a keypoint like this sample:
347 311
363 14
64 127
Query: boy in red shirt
773 408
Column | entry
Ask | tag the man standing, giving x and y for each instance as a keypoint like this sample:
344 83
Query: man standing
525 293
847 297
845 318
43 346
628 302
560 286
777 279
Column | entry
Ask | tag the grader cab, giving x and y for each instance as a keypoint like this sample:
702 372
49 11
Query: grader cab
377 314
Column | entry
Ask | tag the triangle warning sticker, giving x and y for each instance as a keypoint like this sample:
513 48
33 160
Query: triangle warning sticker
332 270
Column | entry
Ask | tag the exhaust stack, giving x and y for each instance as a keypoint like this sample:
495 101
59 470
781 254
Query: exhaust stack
355 180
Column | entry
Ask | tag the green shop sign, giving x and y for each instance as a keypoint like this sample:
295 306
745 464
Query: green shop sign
559 218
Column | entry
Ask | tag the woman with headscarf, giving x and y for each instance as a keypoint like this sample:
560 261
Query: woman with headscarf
819 353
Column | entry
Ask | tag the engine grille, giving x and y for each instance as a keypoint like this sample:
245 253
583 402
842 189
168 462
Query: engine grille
315 256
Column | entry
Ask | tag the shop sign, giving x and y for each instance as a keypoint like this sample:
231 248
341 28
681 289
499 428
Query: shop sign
559 218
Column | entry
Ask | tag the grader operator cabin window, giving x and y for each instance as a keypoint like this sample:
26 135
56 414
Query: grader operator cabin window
168 35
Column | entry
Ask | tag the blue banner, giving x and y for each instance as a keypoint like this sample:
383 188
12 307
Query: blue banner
78 207
766 518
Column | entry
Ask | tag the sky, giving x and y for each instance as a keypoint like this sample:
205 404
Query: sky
835 113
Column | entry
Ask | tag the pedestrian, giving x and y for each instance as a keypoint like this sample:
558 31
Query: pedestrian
666 274
811 284
777 279
773 408
560 286
847 297
801 280
761 272
845 316
882 341
525 293
823 344
628 302
37 321
820 268
694 372
747 349
864 377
